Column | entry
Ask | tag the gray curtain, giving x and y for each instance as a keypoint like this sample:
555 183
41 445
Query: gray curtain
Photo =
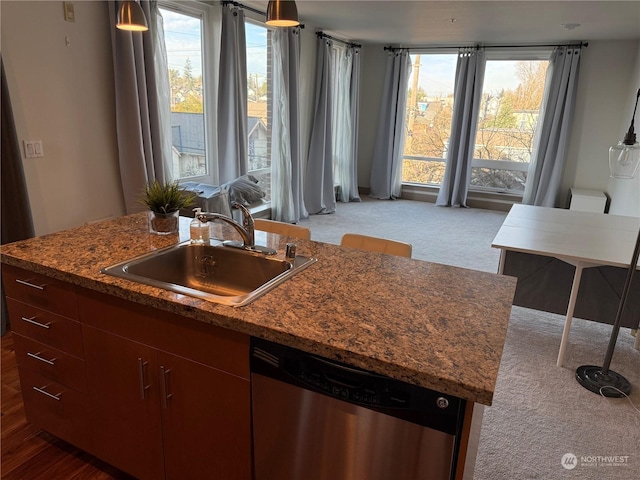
354 90
232 97
319 196
345 77
16 212
140 114
386 171
549 158
287 203
466 104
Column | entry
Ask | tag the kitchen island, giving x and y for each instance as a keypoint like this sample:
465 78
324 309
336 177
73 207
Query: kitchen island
431 325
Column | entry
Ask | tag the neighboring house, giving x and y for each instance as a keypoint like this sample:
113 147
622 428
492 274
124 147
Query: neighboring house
187 137
258 144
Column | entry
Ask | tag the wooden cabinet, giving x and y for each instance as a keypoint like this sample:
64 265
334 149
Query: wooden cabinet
154 394
178 389
50 354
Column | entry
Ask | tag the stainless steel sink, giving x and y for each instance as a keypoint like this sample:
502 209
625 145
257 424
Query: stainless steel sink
220 274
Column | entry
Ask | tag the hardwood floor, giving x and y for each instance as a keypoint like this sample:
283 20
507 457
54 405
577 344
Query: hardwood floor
30 453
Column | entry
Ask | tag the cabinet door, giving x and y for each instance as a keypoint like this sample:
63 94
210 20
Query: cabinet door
125 398
206 421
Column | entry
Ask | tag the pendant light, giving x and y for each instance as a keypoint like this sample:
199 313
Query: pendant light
624 157
282 13
131 17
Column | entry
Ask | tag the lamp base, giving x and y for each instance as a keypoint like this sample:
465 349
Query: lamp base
593 378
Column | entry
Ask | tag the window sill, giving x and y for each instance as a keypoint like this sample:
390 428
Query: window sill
261 209
475 199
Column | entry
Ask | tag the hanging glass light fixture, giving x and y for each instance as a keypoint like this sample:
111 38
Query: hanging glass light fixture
131 17
282 13
624 157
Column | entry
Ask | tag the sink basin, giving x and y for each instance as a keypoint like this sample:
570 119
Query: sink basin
220 274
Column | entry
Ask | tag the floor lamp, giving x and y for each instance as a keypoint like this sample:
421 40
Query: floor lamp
624 159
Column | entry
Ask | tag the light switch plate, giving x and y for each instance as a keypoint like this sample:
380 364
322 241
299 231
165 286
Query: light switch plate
33 149
69 14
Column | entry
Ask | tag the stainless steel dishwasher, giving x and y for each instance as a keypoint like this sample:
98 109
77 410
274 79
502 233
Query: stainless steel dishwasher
317 419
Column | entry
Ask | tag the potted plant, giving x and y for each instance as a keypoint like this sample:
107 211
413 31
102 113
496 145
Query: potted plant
164 201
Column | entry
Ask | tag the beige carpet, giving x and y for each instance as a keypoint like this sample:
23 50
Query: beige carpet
539 413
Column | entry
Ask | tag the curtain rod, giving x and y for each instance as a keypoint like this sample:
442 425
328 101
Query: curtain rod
251 9
537 45
349 44
244 7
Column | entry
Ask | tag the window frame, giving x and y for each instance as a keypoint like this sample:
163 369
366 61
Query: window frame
507 54
250 17
522 53
210 57
428 51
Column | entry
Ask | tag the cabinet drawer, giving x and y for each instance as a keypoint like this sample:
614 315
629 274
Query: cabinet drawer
55 408
203 343
41 291
50 363
45 327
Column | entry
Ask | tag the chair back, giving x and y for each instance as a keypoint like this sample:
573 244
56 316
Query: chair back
375 244
282 228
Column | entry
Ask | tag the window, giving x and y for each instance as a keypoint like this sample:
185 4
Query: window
428 122
259 107
509 110
510 106
183 33
189 45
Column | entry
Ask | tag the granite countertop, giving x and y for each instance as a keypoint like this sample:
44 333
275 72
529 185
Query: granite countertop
432 325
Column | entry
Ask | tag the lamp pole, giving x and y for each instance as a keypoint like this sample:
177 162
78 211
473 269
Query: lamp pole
600 379
623 162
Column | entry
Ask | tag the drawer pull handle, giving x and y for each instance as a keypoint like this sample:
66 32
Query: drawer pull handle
38 357
29 284
164 373
143 386
32 320
44 392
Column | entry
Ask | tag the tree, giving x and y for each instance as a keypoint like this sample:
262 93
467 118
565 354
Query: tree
256 86
188 75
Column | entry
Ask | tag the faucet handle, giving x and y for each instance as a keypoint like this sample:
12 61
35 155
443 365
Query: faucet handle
247 219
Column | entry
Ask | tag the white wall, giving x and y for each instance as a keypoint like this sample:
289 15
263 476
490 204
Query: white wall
625 193
373 64
602 110
64 95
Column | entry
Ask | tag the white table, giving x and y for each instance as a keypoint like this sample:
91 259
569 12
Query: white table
582 239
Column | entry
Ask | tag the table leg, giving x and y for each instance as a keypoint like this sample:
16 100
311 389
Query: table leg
572 305
503 254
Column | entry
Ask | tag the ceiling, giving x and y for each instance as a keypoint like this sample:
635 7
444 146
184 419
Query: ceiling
457 22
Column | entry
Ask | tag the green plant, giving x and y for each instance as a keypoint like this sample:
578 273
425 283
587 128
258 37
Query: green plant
166 198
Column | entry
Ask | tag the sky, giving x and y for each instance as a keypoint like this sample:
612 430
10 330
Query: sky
183 34
437 72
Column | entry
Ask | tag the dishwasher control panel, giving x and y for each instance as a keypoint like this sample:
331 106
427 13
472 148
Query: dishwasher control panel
357 386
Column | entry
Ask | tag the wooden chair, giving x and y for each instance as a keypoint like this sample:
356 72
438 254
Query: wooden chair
282 228
375 244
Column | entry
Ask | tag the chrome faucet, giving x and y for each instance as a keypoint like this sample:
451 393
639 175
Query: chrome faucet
246 230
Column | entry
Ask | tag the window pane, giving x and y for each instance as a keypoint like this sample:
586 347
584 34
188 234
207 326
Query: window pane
258 104
428 121
509 110
183 40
